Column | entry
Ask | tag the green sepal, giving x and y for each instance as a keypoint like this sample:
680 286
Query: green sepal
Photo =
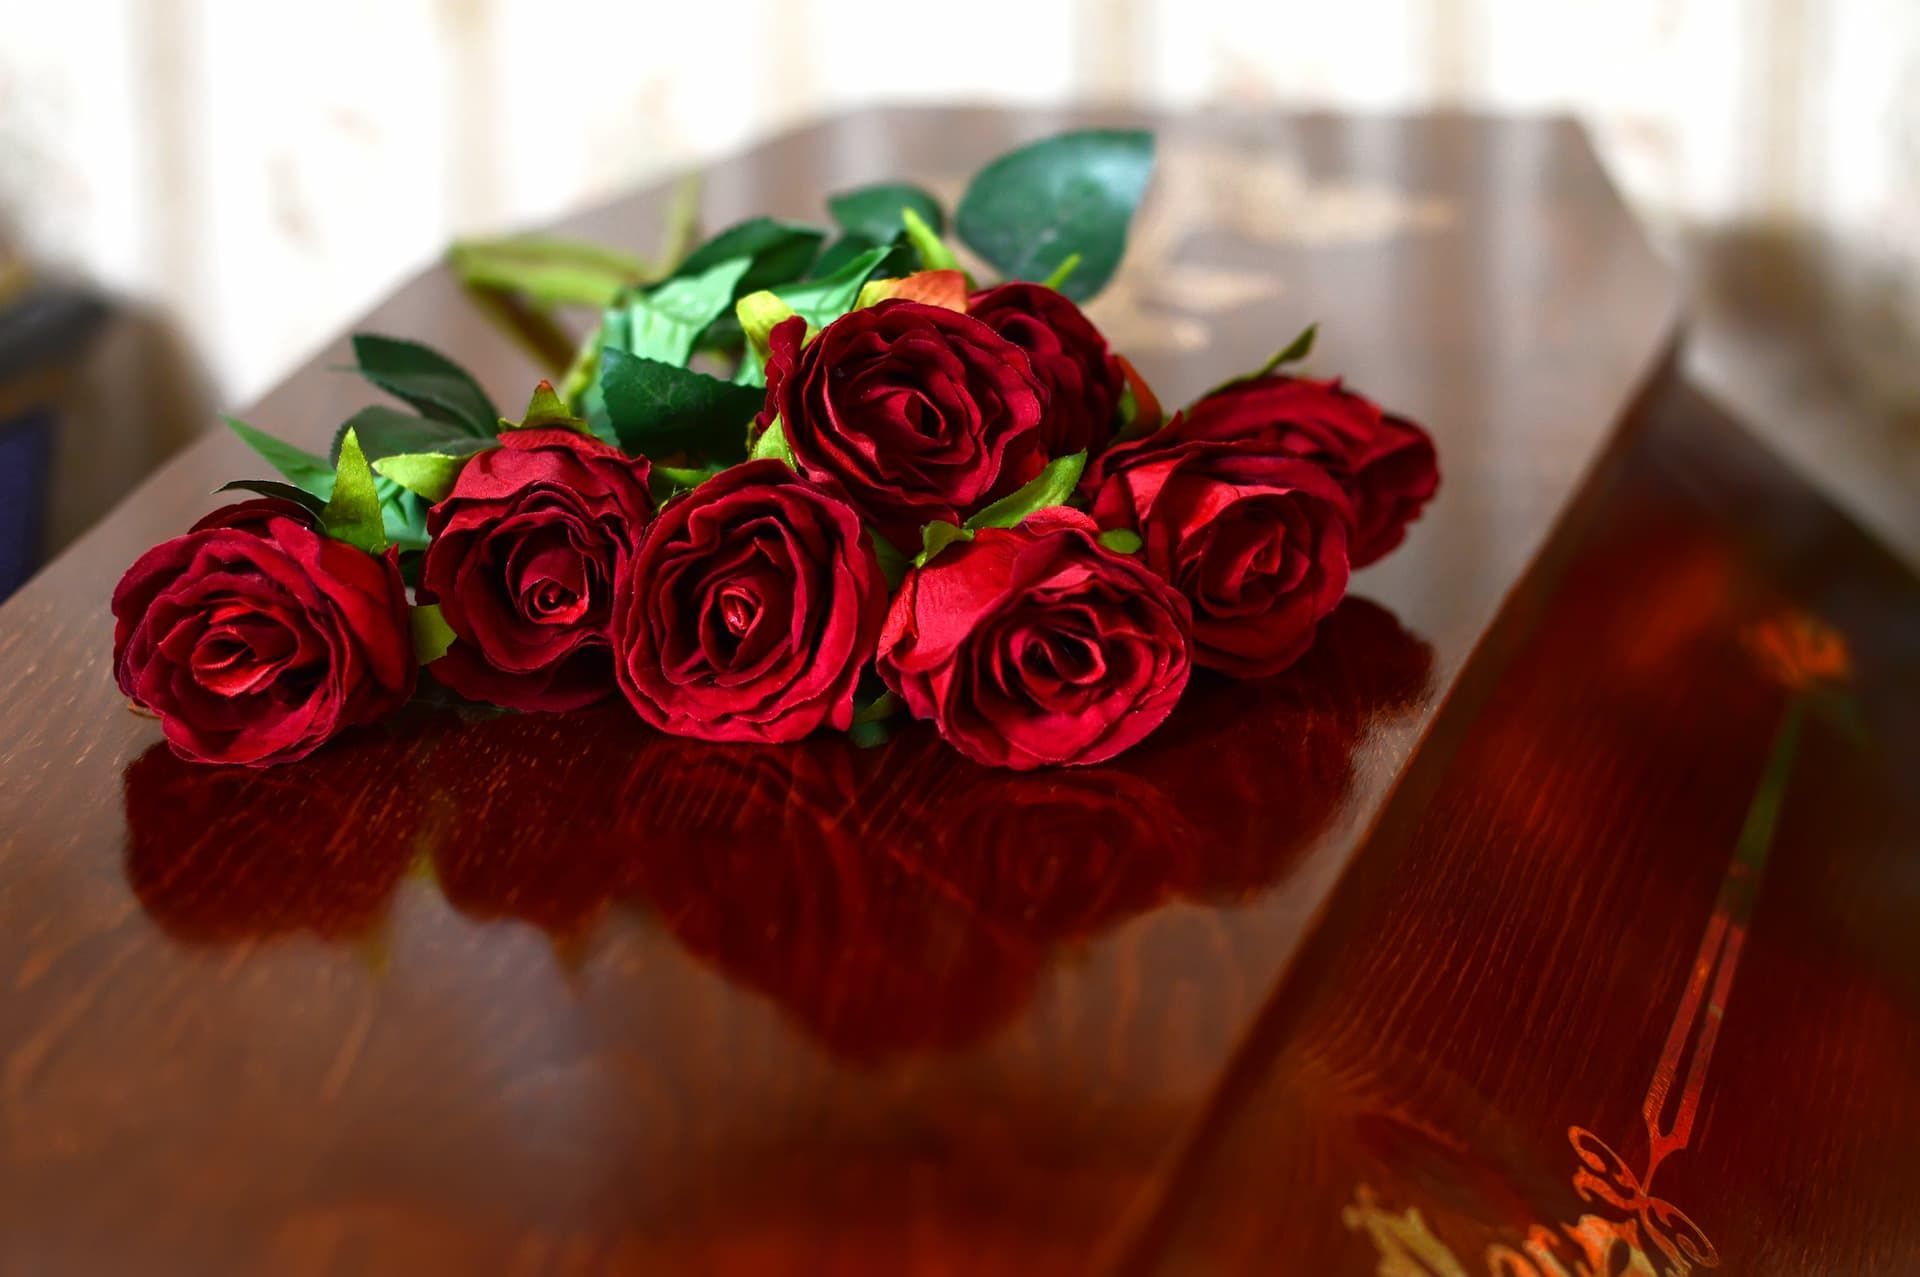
873 722
305 470
1058 280
546 410
1126 412
876 211
433 384
1292 353
893 564
1051 487
657 409
352 514
270 488
428 475
760 313
773 443
1032 208
1121 540
432 636
935 537
933 251
549 272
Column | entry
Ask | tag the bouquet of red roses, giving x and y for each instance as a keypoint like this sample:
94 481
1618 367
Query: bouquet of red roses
790 486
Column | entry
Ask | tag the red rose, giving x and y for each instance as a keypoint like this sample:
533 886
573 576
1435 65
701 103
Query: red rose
920 413
1033 645
1387 463
1254 538
525 553
255 637
750 609
1082 377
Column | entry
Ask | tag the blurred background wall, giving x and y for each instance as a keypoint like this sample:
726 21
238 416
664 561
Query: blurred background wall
248 175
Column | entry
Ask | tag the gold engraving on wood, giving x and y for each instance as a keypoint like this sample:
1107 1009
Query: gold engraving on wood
1643 1233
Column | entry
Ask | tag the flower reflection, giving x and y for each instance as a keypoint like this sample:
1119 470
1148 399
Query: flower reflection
892 899
231 853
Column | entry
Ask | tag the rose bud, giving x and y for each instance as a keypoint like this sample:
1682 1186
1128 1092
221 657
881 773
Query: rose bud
1069 356
525 553
1033 645
1386 463
1255 539
750 609
255 637
919 413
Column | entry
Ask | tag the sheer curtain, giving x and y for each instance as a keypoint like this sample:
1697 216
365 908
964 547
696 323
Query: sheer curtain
260 171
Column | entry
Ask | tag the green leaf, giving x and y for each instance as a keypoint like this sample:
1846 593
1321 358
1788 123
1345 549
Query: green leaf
752 370
935 537
1292 353
657 409
842 251
403 514
269 488
429 381
773 443
893 564
821 301
1053 486
430 475
1121 540
663 323
304 469
352 513
1058 279
875 211
549 272
1032 208
933 251
760 313
388 432
432 636
780 251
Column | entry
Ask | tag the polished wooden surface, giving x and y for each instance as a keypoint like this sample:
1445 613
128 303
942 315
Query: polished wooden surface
552 995
1518 964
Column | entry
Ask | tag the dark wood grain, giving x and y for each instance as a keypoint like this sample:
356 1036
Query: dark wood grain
549 995
1512 968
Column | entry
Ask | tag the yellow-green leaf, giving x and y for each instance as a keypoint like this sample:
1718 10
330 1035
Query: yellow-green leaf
352 513
936 537
1054 486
